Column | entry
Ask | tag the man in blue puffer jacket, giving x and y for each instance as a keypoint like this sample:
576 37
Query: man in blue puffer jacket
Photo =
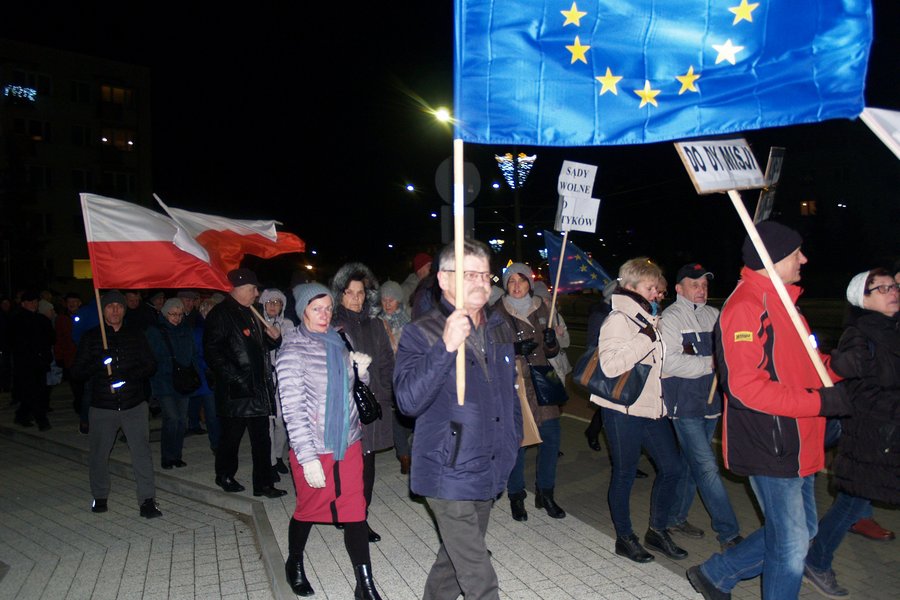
462 454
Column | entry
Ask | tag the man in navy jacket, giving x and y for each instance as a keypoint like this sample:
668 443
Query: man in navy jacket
462 454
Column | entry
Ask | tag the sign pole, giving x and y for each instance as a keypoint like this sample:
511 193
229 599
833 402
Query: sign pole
458 253
562 256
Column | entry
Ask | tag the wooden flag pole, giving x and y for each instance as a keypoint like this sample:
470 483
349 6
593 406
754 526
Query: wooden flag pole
779 287
458 254
103 335
562 255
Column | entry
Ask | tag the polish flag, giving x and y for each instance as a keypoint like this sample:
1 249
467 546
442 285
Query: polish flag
133 247
226 241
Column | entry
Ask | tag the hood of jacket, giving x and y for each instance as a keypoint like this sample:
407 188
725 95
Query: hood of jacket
273 294
342 278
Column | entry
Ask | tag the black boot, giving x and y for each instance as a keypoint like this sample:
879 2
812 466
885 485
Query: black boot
296 576
544 499
365 586
517 506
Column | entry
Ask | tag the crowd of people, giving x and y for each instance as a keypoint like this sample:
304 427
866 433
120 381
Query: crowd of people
283 367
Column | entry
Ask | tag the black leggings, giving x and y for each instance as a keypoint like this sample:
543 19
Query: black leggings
356 540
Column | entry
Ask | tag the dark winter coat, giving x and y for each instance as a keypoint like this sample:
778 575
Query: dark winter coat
132 362
459 452
237 351
368 335
181 337
31 341
867 464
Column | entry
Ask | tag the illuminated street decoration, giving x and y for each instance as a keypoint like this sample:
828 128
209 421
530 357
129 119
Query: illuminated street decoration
17 91
515 173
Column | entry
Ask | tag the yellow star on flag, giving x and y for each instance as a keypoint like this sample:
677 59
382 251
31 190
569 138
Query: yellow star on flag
609 82
573 15
578 51
743 12
687 81
727 51
647 95
583 268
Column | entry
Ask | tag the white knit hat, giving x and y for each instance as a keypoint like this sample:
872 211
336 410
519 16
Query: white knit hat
856 290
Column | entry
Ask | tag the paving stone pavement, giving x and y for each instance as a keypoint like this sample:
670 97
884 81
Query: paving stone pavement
210 544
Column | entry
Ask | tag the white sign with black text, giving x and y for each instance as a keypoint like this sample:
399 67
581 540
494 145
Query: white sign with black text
720 165
577 214
576 180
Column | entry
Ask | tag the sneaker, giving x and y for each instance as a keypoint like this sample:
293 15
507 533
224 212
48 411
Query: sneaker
685 528
732 542
825 582
704 586
99 505
149 509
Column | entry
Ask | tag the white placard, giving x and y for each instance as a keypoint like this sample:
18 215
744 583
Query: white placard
577 214
720 165
576 180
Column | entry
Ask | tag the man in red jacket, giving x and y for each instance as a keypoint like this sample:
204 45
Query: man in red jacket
773 425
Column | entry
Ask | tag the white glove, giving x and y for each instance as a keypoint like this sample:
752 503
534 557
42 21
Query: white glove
362 361
314 474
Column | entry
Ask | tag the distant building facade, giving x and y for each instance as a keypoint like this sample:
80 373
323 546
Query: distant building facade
69 123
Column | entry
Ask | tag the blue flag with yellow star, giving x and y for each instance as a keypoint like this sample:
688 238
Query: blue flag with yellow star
601 72
579 270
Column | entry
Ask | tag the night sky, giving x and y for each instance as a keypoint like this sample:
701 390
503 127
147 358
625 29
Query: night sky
313 114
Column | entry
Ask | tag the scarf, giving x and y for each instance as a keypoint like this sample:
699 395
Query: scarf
337 415
520 306
396 320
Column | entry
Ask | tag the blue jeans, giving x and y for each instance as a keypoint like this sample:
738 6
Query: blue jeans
174 424
845 511
213 429
547 457
700 470
626 435
778 549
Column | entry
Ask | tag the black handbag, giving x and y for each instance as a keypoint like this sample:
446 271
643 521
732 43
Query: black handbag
548 389
623 389
366 403
185 379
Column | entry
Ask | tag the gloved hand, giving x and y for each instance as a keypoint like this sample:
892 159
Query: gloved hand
649 332
314 474
115 382
362 361
550 337
835 402
525 347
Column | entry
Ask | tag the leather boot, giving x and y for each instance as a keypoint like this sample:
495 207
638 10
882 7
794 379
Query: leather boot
365 586
405 462
517 506
296 576
544 499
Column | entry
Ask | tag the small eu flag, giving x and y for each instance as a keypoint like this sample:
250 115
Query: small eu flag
579 270
602 72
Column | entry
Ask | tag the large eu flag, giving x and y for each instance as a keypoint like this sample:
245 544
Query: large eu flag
600 72
579 270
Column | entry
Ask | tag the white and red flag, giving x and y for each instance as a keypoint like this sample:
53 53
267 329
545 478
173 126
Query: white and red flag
133 247
226 241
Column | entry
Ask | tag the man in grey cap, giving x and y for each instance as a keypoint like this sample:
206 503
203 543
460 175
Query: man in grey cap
237 348
117 377
688 377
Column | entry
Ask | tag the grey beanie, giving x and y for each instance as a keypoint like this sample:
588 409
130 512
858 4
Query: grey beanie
392 289
305 292
170 304
112 297
520 268
856 290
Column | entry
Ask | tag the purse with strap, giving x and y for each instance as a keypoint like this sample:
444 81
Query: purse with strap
622 389
366 404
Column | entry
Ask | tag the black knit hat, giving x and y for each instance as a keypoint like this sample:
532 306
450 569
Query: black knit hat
780 240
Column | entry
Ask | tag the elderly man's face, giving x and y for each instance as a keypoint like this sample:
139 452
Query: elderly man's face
246 294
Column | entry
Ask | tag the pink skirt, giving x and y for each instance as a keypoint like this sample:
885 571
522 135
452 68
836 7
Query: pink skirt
342 499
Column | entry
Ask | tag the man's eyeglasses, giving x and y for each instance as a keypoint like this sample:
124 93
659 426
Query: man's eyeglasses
885 289
473 276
